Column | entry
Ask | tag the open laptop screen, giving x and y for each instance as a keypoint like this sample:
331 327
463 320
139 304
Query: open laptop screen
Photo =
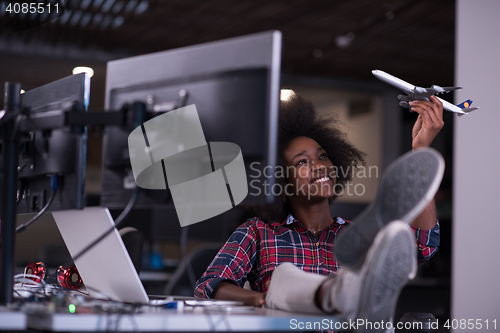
106 269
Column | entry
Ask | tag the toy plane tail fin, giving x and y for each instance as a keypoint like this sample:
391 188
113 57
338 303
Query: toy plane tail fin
465 104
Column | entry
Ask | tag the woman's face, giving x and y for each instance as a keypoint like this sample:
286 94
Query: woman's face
309 169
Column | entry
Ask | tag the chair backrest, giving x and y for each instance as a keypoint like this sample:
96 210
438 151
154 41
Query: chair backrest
198 259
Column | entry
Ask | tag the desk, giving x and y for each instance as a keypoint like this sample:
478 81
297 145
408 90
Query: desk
159 320
12 320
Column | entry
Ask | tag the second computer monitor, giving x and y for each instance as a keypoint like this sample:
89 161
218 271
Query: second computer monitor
57 153
235 86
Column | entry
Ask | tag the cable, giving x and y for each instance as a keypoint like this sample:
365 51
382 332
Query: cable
6 118
22 187
29 285
132 320
130 316
98 292
119 220
28 278
117 321
208 311
16 127
54 183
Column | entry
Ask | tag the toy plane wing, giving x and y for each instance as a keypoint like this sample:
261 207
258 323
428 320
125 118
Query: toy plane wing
418 93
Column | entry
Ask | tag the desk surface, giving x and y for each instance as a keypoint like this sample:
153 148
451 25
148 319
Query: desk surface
173 320
12 320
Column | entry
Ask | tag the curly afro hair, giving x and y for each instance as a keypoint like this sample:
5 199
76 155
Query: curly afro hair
298 118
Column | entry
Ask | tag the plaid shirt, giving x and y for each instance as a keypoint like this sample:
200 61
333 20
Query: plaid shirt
254 250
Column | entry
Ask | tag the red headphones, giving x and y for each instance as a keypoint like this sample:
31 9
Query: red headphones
67 275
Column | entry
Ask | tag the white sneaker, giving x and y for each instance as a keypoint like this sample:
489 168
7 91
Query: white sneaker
371 293
292 289
407 187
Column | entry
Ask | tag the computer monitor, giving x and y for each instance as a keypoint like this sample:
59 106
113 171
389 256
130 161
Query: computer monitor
41 156
54 152
235 85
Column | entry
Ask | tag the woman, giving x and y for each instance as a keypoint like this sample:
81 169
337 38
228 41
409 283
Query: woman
298 228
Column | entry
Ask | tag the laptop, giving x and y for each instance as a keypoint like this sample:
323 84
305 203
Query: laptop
106 269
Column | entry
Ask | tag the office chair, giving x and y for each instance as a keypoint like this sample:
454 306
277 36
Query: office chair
198 258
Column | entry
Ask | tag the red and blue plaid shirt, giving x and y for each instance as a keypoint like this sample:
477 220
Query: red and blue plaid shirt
254 250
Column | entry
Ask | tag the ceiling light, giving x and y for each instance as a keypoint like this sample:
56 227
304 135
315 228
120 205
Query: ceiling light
344 41
286 94
82 69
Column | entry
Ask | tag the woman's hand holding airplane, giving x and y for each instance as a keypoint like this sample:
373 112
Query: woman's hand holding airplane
429 121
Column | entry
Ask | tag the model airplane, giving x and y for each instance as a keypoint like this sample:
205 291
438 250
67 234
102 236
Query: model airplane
419 93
